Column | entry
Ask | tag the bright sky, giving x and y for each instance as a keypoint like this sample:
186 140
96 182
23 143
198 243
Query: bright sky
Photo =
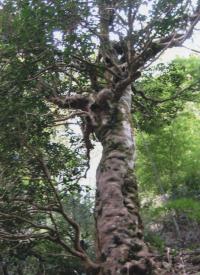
192 43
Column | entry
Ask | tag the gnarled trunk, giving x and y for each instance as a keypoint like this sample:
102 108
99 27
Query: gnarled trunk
120 245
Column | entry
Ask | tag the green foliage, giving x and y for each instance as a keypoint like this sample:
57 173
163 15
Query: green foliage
187 206
168 153
165 90
37 255
171 12
40 166
168 150
155 241
49 48
170 156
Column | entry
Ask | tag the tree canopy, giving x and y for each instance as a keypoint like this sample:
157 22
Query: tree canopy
81 61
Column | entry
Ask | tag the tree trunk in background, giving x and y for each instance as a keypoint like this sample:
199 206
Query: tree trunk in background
3 269
120 245
19 270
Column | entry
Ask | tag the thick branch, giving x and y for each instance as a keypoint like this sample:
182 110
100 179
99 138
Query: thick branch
157 101
15 237
67 102
70 102
61 207
26 220
191 49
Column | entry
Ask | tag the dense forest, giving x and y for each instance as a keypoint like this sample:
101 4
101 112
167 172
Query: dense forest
78 73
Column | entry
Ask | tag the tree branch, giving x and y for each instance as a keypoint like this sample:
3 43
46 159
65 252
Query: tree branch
70 102
160 101
188 48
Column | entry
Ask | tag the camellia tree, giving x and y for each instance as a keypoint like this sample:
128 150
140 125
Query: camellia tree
66 59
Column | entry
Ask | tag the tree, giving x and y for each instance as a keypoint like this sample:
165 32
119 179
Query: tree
87 72
33 255
168 153
168 149
174 150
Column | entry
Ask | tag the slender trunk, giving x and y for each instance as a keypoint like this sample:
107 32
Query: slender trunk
41 268
19 270
3 269
120 245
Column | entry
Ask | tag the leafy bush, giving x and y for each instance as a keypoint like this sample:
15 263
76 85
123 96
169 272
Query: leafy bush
155 241
190 207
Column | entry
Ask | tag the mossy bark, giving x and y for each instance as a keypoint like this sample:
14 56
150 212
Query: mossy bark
120 245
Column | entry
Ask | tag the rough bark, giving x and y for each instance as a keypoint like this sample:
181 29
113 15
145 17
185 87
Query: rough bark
120 245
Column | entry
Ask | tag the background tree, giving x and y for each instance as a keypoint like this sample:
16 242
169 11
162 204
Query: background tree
168 174
171 131
87 72
168 155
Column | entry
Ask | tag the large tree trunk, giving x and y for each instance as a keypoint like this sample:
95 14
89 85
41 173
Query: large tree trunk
120 245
